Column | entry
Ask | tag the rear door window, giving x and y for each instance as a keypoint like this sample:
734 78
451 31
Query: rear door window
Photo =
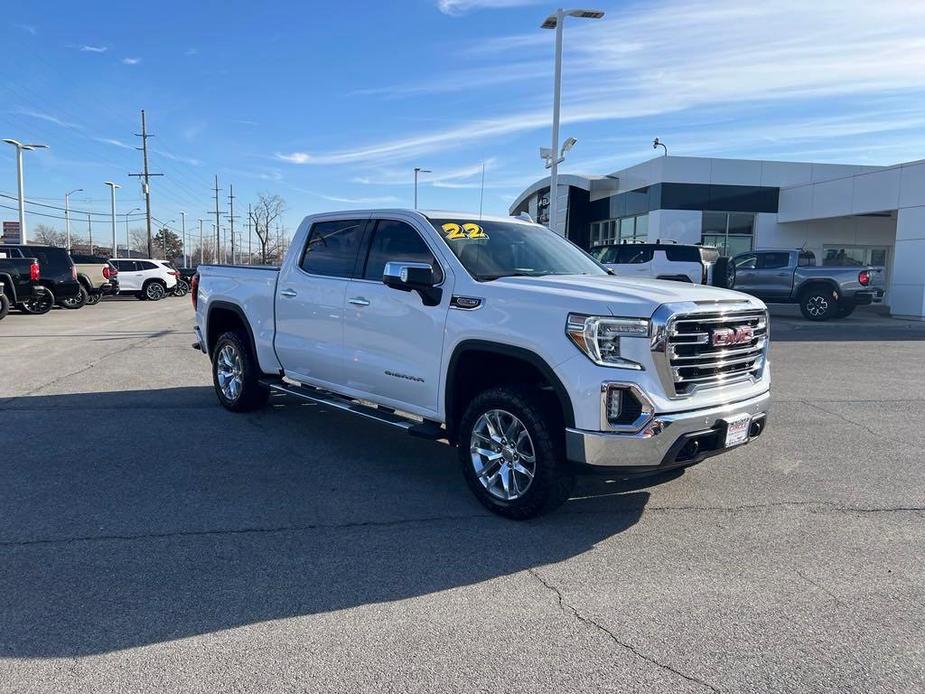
332 247
773 261
631 254
746 261
682 254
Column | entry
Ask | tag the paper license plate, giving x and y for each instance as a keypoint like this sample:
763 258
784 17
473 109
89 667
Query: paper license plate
737 429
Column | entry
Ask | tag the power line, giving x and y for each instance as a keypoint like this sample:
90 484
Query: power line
55 207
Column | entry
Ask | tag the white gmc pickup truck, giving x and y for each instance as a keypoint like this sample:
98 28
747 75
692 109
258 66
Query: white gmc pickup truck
500 337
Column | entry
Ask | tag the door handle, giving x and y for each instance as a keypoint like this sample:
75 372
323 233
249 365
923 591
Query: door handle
358 301
781 274
288 293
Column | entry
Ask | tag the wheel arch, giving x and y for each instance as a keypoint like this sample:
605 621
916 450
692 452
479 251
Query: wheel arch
476 364
7 287
223 316
813 283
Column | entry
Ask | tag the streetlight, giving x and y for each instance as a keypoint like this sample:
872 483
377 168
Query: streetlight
557 21
202 248
67 217
164 230
417 170
183 234
112 199
128 251
656 143
22 200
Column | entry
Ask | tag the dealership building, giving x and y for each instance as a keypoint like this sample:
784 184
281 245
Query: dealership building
843 213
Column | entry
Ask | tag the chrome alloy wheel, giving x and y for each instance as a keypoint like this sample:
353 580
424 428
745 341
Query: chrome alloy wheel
502 455
817 305
155 291
229 369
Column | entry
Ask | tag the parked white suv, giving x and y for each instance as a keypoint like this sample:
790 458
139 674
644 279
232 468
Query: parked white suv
146 278
662 261
496 335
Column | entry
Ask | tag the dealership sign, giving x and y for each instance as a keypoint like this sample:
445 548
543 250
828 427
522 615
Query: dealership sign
11 233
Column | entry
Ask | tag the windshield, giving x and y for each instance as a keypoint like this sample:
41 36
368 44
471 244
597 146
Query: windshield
489 250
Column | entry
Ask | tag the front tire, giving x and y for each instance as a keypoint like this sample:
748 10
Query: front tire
235 375
4 306
154 291
511 452
78 301
40 305
818 304
181 289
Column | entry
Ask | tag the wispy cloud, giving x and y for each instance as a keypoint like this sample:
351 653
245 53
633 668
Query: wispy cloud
191 51
47 117
453 177
656 59
131 61
176 157
114 142
455 8
28 28
94 49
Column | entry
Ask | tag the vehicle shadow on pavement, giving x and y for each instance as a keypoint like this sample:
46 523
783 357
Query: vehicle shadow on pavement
150 516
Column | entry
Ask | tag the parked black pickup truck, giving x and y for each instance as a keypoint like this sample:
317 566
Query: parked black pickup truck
58 274
19 283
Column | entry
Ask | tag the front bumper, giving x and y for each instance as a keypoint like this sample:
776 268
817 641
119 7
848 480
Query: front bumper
667 441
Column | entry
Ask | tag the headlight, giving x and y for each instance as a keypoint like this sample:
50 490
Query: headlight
599 337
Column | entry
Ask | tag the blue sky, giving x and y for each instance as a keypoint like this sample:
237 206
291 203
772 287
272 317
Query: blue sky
331 105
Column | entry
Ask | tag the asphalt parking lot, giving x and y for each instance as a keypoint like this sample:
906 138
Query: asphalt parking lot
151 541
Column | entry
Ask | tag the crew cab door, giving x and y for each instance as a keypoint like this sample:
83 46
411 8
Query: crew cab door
773 275
310 293
393 342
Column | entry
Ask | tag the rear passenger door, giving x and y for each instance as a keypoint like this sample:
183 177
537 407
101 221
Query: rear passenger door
393 343
310 296
129 276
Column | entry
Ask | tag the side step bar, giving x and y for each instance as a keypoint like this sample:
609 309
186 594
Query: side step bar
423 429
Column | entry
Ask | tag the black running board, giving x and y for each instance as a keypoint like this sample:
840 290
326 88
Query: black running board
420 428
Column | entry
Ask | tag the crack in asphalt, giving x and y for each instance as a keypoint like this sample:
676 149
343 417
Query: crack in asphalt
848 420
817 584
568 608
431 519
238 531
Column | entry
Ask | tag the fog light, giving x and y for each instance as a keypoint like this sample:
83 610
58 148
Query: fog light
614 405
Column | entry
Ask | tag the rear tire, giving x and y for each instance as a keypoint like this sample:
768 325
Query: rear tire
498 475
4 306
818 304
235 374
94 298
40 305
78 301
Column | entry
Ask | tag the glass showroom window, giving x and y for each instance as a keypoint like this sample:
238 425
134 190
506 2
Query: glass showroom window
611 231
730 233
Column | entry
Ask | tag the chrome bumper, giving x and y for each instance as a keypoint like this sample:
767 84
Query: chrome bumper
661 441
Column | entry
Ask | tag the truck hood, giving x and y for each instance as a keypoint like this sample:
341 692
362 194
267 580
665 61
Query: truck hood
619 296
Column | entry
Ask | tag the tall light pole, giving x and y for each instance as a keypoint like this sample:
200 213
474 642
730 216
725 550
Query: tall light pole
112 199
128 251
557 21
202 248
22 200
67 216
183 237
418 170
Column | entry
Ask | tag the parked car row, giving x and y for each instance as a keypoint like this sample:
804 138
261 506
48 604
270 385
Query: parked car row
788 276
34 279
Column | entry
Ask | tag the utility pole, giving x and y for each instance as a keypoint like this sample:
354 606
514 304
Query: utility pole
112 197
183 240
146 186
90 232
231 218
250 252
202 248
218 240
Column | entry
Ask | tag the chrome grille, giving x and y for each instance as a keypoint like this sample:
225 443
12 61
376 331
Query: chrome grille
695 362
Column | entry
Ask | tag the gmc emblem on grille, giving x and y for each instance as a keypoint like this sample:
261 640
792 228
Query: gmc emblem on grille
728 337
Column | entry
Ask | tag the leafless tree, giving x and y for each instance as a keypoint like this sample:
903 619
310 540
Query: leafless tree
267 211
49 236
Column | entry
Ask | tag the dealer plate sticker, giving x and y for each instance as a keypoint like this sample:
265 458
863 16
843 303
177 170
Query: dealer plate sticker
737 430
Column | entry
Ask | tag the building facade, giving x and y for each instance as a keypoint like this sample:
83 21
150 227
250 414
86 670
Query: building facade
843 213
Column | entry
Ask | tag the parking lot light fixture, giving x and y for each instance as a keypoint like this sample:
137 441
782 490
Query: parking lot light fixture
20 146
112 200
557 21
67 216
418 170
128 252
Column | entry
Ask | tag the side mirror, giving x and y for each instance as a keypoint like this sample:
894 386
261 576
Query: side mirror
407 276
410 276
